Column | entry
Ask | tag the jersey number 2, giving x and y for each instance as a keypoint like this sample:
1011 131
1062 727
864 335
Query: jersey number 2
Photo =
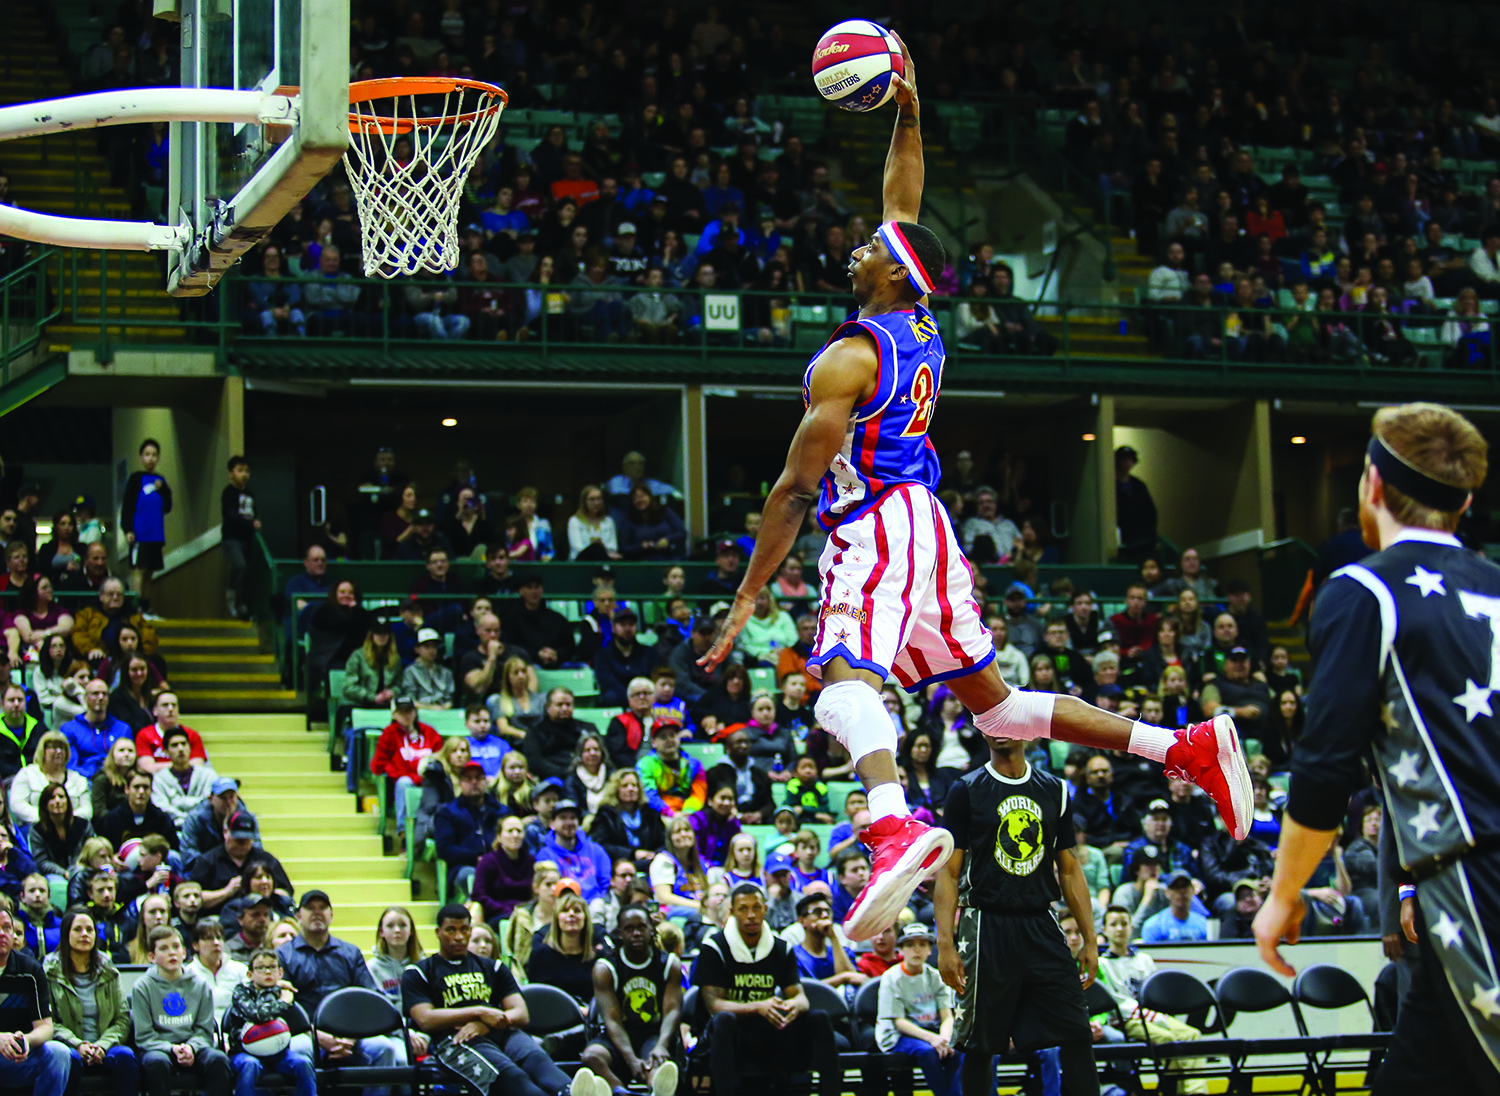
924 395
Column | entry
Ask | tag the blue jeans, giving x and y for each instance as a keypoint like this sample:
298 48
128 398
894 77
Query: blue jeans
45 1070
463 881
119 1063
398 789
248 1068
380 1051
941 1073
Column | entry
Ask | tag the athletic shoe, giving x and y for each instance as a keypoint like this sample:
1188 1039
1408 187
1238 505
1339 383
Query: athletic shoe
664 1080
903 854
586 1083
1210 756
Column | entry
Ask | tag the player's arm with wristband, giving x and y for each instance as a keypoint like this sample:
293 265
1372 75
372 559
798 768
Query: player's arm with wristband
945 888
1341 710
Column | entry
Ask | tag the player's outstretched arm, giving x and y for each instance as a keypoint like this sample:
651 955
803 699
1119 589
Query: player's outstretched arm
901 192
844 376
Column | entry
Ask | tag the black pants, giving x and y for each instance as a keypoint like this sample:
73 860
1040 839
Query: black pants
740 1044
1442 1041
1079 1077
212 1066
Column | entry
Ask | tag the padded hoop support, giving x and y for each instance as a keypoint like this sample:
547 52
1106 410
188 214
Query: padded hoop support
118 108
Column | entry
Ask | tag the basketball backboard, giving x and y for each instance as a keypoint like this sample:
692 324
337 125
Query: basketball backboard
233 181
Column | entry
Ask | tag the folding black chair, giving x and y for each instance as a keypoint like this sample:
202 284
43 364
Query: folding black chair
1252 990
1121 1061
900 1071
1326 988
357 1013
1177 993
825 998
557 1021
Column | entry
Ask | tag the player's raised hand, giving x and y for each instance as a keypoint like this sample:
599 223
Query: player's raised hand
739 612
906 87
1278 920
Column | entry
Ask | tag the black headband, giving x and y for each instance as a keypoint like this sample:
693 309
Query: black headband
1413 482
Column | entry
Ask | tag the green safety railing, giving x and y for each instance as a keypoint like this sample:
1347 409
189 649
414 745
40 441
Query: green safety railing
27 304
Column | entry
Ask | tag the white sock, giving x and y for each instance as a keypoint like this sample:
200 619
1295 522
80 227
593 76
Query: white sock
886 800
1150 742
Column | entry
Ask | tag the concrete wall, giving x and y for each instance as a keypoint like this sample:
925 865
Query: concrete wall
1210 472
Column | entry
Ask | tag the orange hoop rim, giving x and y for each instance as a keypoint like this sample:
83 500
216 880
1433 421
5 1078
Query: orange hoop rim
364 91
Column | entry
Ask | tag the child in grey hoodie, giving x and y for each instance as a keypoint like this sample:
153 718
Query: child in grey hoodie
173 1016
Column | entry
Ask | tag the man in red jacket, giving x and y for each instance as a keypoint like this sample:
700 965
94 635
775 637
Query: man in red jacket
1135 628
400 753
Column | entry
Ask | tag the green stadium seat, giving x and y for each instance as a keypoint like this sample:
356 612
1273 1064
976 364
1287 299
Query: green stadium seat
762 679
581 682
709 753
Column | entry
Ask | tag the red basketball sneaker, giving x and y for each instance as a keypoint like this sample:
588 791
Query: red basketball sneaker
903 854
1210 756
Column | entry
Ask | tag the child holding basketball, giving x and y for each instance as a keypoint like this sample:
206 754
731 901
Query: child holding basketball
261 1022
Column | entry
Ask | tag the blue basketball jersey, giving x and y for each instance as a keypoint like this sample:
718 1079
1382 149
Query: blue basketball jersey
887 442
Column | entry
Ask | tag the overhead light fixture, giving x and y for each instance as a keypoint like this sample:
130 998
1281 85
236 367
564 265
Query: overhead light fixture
1299 440
1088 437
450 422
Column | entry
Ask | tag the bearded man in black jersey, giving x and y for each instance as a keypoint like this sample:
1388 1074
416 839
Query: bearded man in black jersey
638 991
999 944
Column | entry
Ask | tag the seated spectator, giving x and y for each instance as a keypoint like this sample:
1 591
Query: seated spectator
624 826
19 730
401 751
50 767
1467 332
130 702
316 963
151 750
426 680
203 827
915 1012
1139 1025
715 826
769 629
372 675
1484 263
264 1001
807 794
516 700
576 857
542 631
674 782
97 1037
650 530
92 732
751 783
38 927
550 743
848 875
821 956
1239 922
110 916
1020 331
180 786
628 737
456 990
158 1002
221 872
591 772
503 876
94 629
563 953
135 816
745 972
252 916
1179 921
57 837
461 829
677 875
1246 698
482 669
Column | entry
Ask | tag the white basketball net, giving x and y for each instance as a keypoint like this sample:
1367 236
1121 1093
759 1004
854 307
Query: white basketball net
408 206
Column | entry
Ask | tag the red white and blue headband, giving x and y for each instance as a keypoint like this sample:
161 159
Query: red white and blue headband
902 251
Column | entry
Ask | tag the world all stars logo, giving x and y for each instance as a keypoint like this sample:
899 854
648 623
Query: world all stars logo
1019 844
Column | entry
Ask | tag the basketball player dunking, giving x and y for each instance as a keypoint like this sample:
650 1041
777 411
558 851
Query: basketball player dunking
898 594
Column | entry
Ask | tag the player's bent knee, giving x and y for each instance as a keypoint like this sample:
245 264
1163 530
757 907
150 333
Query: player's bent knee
853 713
1020 715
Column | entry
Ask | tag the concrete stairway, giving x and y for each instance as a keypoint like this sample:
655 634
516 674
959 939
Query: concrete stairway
308 819
217 665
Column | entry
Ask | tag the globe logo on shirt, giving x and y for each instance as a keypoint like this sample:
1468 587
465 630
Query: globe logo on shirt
1019 844
173 1004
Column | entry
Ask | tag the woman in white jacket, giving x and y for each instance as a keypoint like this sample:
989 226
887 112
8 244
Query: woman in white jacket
51 767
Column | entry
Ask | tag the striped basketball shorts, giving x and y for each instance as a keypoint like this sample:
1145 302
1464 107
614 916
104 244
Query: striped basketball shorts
898 595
